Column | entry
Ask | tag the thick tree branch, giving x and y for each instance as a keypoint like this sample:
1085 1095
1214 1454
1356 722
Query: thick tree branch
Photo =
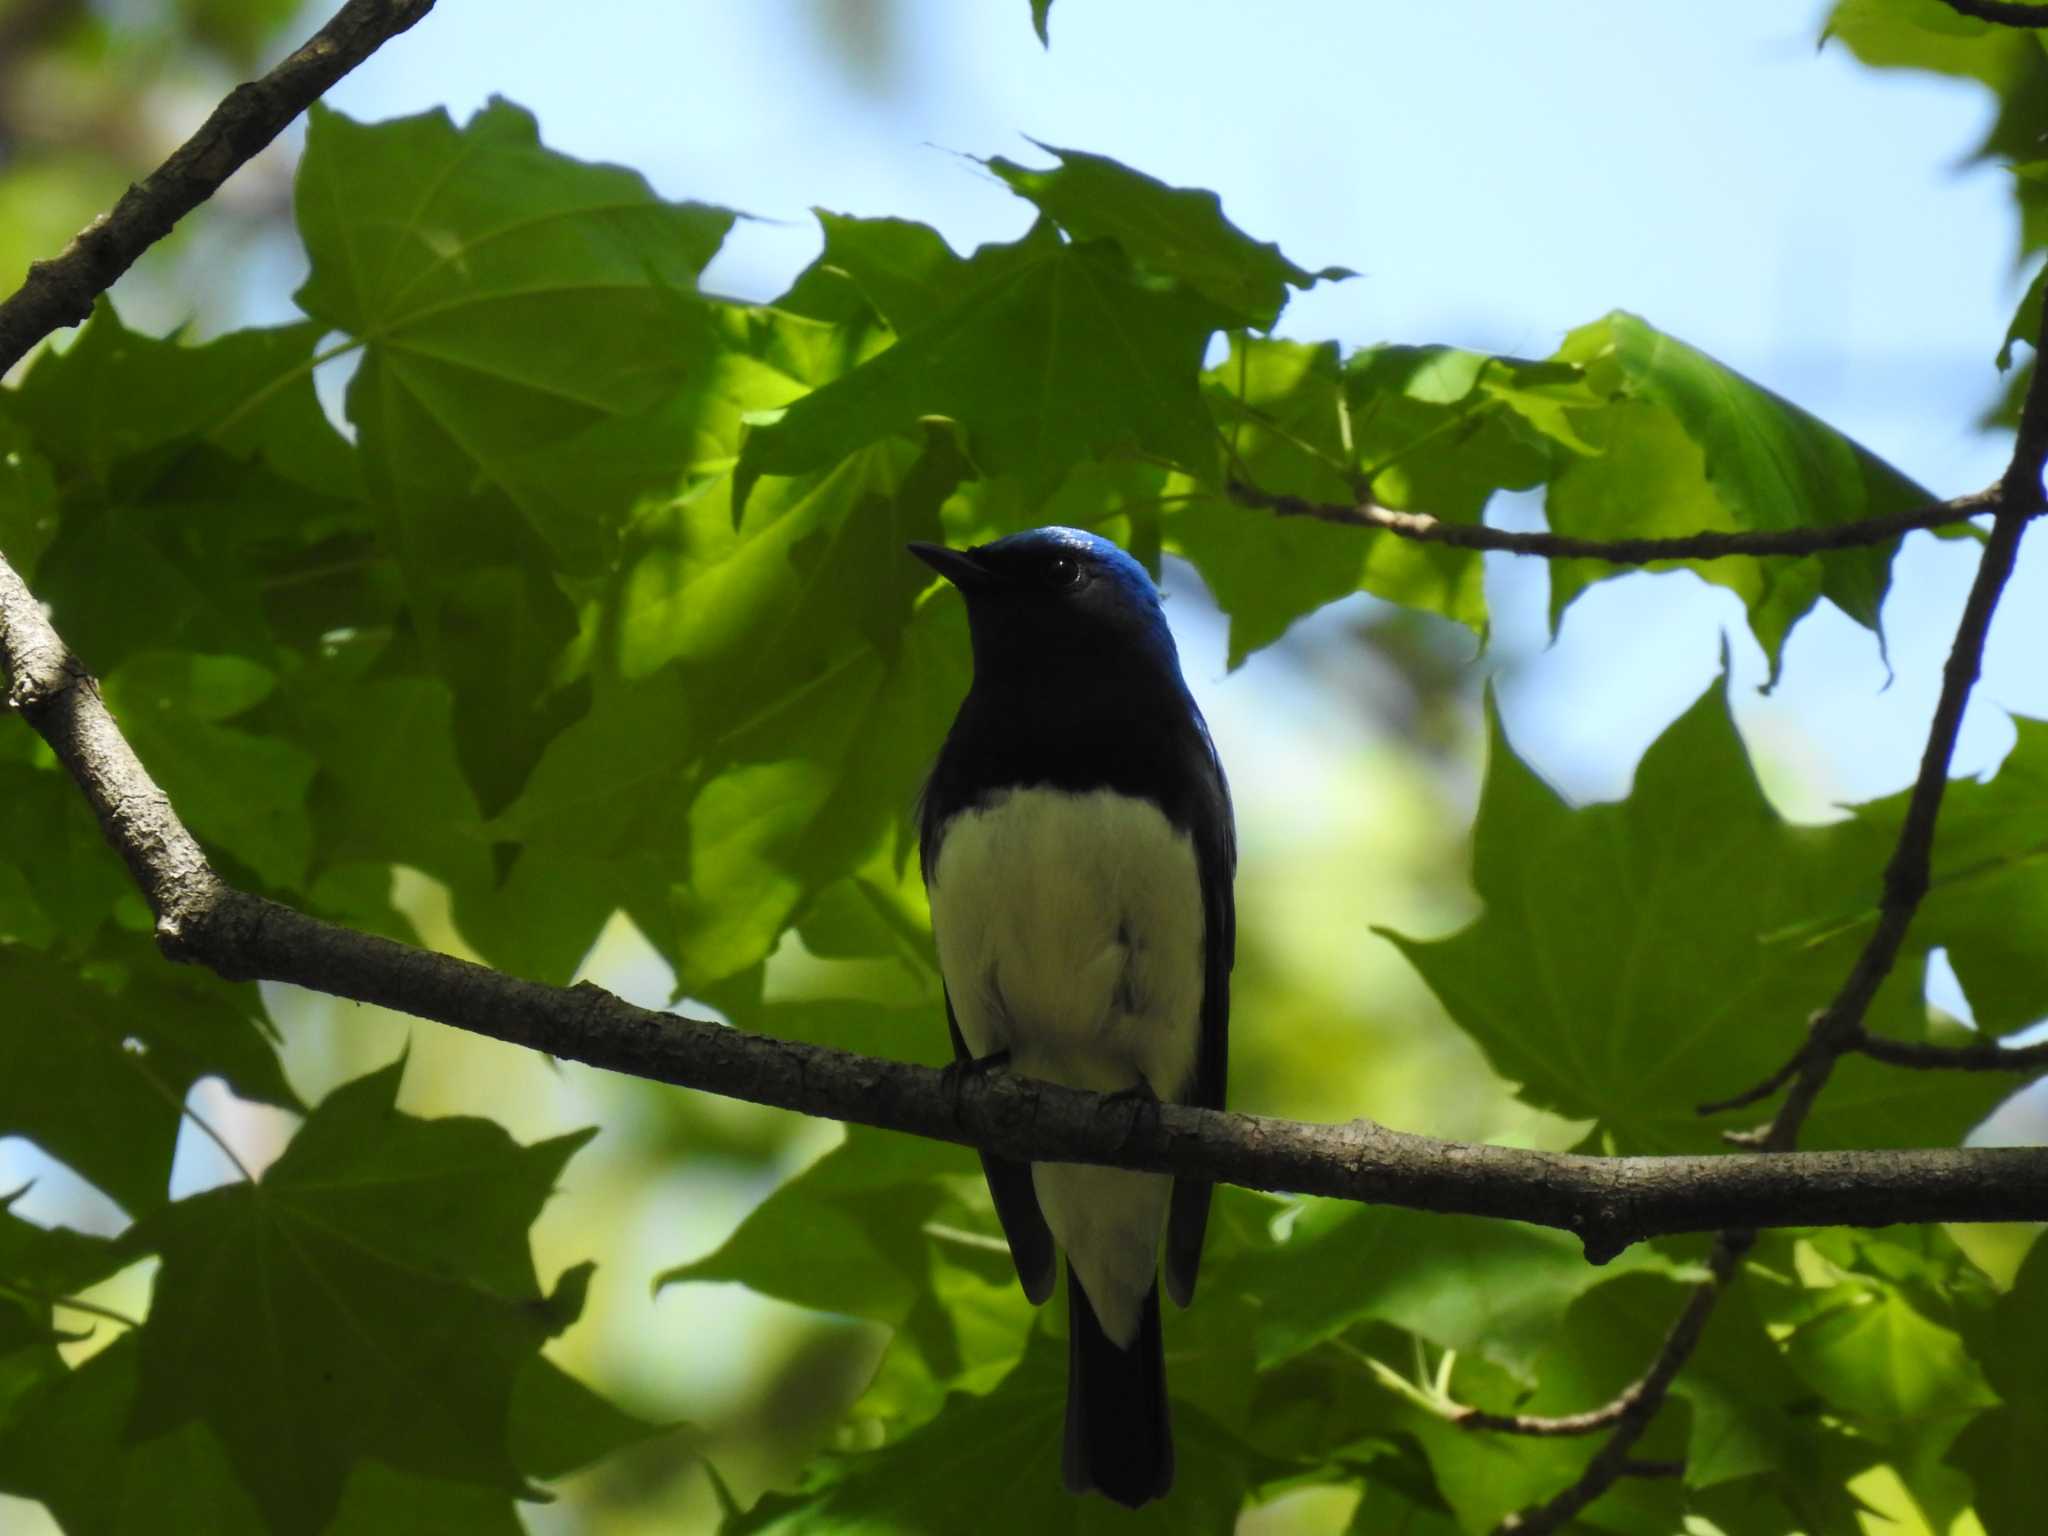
2007 13
1424 529
60 291
1607 1202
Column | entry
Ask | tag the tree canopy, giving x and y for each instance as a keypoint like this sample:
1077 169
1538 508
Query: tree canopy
590 600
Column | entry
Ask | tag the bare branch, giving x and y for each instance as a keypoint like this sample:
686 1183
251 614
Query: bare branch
1838 1028
1756 1093
60 291
1640 1402
1637 1468
1607 1202
1977 1056
1629 1411
1424 529
2007 13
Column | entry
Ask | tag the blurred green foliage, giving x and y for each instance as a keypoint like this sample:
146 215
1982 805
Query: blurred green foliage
583 643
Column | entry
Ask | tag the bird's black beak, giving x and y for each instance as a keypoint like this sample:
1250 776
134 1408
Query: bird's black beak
956 565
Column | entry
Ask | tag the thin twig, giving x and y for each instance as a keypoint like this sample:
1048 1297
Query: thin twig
1641 1468
1547 1426
1643 1396
61 291
1977 1056
1906 877
1756 1093
1637 1404
1838 1028
1712 545
2007 13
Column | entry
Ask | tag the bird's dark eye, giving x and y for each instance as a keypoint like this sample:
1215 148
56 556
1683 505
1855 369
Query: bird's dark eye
1062 571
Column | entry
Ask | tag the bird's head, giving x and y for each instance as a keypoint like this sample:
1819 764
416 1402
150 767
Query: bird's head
1055 594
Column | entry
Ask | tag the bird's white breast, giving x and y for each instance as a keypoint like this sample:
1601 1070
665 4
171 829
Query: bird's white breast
1070 934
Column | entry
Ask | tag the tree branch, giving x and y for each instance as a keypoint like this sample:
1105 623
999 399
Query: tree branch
1424 529
2007 13
60 291
1637 1404
1838 1028
1641 1397
1977 1056
1607 1202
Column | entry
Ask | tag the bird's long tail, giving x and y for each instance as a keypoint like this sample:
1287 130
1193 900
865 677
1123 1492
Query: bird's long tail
1119 1440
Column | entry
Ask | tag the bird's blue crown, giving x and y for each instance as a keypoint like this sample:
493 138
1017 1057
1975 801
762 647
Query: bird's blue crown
1108 558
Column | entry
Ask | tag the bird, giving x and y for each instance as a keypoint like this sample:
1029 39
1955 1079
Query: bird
1078 849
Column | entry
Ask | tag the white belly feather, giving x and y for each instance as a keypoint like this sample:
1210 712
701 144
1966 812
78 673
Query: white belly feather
1069 929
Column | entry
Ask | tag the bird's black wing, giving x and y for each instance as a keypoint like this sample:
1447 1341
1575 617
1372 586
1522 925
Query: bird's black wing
1009 1182
1215 839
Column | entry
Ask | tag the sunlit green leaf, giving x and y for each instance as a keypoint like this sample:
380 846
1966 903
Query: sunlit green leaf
1298 424
1689 444
1496 1288
1180 231
2001 1450
118 395
1989 903
1060 355
506 296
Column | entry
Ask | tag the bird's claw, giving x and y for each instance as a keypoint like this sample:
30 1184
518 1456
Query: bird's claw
960 1069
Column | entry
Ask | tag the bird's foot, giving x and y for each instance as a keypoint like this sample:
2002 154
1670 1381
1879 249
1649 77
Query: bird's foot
956 1073
1140 1092
1143 1101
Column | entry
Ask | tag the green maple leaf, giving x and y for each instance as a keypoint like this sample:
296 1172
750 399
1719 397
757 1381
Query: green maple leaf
2001 1449
1055 354
1465 1283
1416 425
71 1448
28 500
116 395
1685 444
372 1297
509 302
938 1478
783 696
1988 902
100 1058
1636 959
1179 231
505 296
